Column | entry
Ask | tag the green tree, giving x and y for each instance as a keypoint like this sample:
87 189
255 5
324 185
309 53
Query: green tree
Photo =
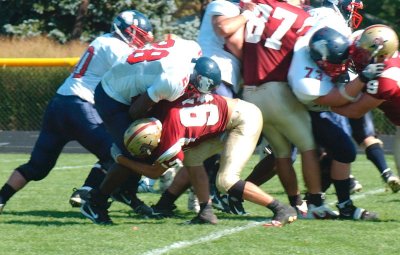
84 19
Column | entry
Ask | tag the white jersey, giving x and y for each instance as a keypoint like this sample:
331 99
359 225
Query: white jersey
212 44
307 80
101 54
161 69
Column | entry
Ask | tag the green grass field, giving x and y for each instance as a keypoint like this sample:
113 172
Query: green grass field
39 220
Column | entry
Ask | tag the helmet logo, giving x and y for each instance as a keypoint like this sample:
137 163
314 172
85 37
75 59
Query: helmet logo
128 17
204 84
321 46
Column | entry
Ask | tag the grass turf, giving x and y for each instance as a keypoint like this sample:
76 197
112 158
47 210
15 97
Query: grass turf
39 220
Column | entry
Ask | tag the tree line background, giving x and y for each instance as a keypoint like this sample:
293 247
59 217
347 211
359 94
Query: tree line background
66 20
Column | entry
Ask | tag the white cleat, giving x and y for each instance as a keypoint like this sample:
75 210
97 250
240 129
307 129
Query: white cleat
193 202
394 183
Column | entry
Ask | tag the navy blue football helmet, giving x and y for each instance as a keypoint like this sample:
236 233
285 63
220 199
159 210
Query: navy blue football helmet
133 27
206 75
330 50
349 10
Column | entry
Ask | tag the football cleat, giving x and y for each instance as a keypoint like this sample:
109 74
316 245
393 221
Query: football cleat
164 212
2 204
144 186
394 183
355 186
79 196
122 197
97 214
321 212
219 203
140 208
283 215
193 202
347 211
205 216
235 205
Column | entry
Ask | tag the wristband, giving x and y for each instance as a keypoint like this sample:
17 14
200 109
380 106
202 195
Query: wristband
343 92
363 78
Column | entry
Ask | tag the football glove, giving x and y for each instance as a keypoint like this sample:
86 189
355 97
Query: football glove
371 72
115 152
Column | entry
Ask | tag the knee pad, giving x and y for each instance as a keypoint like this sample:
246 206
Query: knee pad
33 173
237 189
371 142
345 156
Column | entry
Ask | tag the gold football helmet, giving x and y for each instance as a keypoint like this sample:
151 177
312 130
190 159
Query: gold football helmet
376 44
142 137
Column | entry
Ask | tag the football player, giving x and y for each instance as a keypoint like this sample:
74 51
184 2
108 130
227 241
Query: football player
267 52
133 85
221 38
320 59
377 44
193 128
70 115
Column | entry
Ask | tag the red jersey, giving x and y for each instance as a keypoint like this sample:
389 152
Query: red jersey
387 88
270 39
187 121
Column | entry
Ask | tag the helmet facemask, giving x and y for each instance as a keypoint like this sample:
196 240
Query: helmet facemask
376 44
133 28
138 36
354 18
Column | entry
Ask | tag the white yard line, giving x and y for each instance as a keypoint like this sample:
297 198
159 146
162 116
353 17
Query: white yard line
230 231
73 167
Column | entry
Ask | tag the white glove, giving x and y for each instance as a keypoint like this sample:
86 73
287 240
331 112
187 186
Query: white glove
371 72
115 152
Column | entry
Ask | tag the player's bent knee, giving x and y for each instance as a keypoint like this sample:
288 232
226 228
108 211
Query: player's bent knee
224 183
345 156
237 189
33 173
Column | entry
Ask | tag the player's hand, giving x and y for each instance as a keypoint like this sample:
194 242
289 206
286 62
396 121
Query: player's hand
115 152
371 72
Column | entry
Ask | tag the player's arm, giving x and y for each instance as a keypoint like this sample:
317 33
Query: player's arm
152 171
358 108
226 26
140 106
341 95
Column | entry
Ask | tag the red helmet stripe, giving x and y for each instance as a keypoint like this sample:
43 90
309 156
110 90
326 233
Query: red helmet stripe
153 123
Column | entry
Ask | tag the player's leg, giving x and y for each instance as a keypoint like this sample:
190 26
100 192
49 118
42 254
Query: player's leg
43 157
343 152
363 132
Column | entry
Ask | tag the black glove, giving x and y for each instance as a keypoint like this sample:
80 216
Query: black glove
371 72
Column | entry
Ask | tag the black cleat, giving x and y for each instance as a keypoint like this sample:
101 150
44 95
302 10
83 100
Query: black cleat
122 197
140 208
219 203
164 212
235 205
97 214
347 211
2 204
79 196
